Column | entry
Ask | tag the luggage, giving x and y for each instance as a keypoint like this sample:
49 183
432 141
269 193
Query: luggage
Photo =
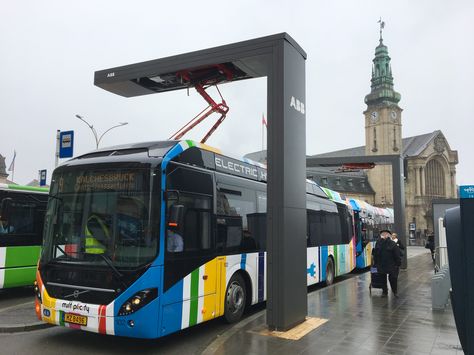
377 280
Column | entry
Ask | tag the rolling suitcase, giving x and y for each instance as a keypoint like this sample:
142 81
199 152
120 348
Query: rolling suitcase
377 280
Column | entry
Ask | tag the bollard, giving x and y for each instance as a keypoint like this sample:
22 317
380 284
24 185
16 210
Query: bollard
440 287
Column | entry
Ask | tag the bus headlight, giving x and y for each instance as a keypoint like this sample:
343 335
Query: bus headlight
137 301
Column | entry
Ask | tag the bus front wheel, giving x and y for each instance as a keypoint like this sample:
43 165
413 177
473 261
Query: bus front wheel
235 299
330 272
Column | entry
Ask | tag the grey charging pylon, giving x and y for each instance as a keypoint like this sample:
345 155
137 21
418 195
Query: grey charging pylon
282 61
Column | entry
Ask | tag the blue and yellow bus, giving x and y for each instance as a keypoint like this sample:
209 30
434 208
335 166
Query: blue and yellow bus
147 239
22 210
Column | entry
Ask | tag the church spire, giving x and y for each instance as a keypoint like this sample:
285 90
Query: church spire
382 79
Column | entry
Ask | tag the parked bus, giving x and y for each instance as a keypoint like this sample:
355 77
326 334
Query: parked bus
368 221
21 227
147 239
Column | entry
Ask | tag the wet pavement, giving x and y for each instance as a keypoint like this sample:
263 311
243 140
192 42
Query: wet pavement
360 323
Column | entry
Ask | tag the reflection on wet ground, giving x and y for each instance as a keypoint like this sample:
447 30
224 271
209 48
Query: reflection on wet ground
363 324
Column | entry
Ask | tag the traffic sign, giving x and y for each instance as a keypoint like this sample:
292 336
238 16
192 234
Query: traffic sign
66 144
466 191
42 177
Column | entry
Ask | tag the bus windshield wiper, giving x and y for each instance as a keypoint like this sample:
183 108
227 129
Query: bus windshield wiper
109 262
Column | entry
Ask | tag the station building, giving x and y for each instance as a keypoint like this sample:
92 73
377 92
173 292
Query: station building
3 171
429 161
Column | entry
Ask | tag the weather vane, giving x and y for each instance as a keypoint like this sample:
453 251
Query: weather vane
382 25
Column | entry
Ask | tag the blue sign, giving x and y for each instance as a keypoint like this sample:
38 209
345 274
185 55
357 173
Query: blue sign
66 144
43 177
466 191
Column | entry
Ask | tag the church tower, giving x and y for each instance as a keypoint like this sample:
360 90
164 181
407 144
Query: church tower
383 125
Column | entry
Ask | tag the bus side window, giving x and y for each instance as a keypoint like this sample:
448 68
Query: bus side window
196 229
234 206
22 226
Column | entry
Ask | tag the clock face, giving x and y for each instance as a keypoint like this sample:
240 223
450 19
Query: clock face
393 116
374 116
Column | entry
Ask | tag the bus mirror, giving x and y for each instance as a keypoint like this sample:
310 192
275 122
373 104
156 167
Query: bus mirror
172 195
6 209
176 216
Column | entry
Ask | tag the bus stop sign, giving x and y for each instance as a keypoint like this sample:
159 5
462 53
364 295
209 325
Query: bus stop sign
66 144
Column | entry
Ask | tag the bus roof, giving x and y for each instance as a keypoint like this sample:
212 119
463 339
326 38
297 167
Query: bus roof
23 188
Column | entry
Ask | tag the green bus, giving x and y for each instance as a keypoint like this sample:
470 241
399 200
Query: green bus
21 230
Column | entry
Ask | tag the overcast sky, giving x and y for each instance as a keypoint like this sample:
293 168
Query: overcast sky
49 51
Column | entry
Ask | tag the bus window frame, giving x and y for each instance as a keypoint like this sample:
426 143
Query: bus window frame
174 196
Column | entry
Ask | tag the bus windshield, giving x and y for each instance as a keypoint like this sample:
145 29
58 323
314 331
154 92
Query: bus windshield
100 217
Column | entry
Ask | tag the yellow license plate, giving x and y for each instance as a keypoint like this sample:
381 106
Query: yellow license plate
76 319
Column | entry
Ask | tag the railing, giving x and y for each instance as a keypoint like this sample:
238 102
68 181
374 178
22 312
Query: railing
441 250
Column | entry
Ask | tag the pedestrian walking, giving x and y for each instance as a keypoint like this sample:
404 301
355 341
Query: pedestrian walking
399 244
430 244
387 259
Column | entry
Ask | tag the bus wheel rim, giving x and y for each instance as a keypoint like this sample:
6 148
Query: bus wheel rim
235 297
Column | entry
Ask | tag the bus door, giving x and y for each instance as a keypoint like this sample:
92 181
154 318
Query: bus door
190 271
21 229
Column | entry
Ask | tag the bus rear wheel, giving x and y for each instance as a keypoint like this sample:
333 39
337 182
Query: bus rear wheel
235 299
330 272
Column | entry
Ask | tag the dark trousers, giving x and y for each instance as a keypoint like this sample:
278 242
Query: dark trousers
393 279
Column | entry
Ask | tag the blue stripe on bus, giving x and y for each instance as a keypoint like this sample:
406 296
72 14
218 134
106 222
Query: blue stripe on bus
261 275
173 309
319 263
243 261
324 261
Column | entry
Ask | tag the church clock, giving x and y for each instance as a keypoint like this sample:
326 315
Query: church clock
374 116
393 116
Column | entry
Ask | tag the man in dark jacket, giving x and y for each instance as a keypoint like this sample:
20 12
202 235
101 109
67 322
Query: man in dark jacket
387 259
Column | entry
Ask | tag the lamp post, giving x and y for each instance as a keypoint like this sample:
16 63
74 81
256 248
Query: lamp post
94 132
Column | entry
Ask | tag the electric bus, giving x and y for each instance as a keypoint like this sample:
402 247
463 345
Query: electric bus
21 227
368 222
147 239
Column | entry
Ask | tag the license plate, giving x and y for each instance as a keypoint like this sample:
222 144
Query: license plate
75 319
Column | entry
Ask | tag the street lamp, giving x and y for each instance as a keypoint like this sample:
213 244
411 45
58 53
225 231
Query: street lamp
94 132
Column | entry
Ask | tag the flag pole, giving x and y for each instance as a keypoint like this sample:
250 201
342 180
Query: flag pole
262 131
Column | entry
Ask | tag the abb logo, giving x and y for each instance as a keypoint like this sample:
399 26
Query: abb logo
297 105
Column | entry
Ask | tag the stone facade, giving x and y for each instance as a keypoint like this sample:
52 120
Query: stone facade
431 174
3 170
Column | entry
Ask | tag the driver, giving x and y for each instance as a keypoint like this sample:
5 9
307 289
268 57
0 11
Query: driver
97 234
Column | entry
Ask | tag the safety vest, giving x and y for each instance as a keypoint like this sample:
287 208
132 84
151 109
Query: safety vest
93 246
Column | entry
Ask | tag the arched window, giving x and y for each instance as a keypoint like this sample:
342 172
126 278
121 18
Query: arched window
434 177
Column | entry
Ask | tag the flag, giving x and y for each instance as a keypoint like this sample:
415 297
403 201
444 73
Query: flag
12 165
263 120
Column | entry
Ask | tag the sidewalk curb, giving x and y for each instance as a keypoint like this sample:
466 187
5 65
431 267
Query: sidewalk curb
17 328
